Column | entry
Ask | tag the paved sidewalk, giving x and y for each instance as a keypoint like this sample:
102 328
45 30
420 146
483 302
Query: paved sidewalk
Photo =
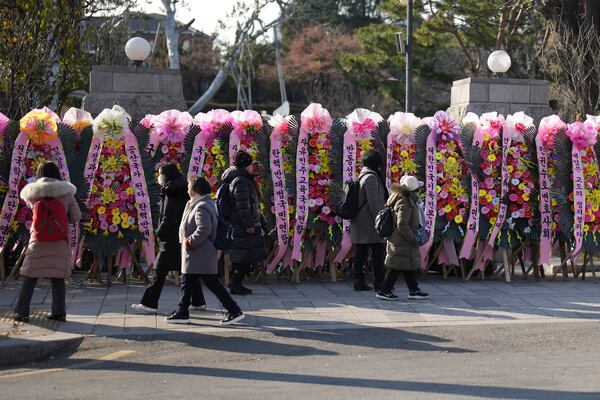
94 309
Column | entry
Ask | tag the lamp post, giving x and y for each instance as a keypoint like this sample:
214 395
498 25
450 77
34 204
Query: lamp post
137 50
498 62
409 54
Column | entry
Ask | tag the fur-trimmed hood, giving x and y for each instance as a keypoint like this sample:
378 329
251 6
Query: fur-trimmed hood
46 187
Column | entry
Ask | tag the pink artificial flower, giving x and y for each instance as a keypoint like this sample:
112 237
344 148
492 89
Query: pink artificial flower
362 122
172 126
3 122
280 125
103 225
548 128
516 124
492 124
113 228
444 127
403 126
582 134
147 121
315 118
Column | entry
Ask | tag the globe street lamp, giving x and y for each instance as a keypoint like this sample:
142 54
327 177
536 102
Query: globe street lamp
499 62
137 50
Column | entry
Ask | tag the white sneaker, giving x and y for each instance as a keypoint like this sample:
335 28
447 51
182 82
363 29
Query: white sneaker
142 309
197 308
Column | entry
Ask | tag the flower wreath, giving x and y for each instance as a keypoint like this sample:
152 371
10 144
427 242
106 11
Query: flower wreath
36 143
208 151
549 129
447 202
401 146
521 194
118 206
584 199
281 137
359 137
316 222
168 131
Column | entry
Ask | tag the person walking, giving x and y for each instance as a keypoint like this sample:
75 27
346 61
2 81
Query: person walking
246 218
197 233
402 252
173 198
48 254
371 200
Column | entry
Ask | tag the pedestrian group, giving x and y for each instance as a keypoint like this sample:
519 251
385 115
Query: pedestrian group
187 230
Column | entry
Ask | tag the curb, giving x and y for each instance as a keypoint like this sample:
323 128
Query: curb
20 351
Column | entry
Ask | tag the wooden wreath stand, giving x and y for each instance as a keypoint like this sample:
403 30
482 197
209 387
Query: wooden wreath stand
95 272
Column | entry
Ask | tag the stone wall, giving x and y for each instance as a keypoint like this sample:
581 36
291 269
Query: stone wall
138 90
506 96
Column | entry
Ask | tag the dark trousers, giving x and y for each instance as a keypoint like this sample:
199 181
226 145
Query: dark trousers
58 296
410 277
238 272
377 262
190 283
154 289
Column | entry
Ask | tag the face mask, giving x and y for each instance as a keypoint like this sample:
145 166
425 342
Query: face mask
162 181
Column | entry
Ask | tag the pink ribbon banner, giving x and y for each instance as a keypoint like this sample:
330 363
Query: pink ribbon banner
578 199
198 155
141 195
389 153
546 233
301 193
280 199
505 182
430 196
349 174
91 164
466 251
11 201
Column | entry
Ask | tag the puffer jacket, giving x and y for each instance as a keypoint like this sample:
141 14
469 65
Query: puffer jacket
174 197
50 259
248 248
402 251
371 199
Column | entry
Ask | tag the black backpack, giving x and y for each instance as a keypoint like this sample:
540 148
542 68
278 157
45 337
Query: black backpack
224 237
385 222
224 203
349 207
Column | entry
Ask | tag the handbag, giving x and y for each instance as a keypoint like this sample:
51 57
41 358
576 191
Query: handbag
421 235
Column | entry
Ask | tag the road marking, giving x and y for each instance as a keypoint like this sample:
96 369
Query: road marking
109 357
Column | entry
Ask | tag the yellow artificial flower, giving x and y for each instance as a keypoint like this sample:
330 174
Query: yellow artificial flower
404 153
108 196
448 208
493 220
101 210
492 157
482 193
120 235
509 168
438 188
116 212
488 198
125 224
116 220
525 197
592 170
438 156
458 219
124 215
521 186
394 168
593 197
129 190
586 228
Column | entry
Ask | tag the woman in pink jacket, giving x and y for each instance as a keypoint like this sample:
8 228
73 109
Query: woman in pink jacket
48 258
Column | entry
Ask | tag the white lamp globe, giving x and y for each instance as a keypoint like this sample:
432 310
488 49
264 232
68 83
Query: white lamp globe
137 49
499 62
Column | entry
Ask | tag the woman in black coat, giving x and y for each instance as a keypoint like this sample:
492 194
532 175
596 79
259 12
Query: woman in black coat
249 244
174 197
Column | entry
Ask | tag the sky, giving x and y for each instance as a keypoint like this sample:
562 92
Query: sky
206 13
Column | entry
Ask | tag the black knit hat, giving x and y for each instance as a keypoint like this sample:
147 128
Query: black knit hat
242 159
170 171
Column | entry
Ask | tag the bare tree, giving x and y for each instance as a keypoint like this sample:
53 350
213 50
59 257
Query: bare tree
172 31
250 27
572 51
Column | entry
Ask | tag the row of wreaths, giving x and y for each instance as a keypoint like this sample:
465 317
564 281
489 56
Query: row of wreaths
490 182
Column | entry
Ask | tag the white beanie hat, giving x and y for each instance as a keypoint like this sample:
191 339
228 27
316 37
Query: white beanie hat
410 183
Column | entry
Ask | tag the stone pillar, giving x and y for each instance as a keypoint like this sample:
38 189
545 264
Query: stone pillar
506 96
138 90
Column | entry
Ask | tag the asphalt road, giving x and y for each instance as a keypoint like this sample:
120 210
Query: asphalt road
546 361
